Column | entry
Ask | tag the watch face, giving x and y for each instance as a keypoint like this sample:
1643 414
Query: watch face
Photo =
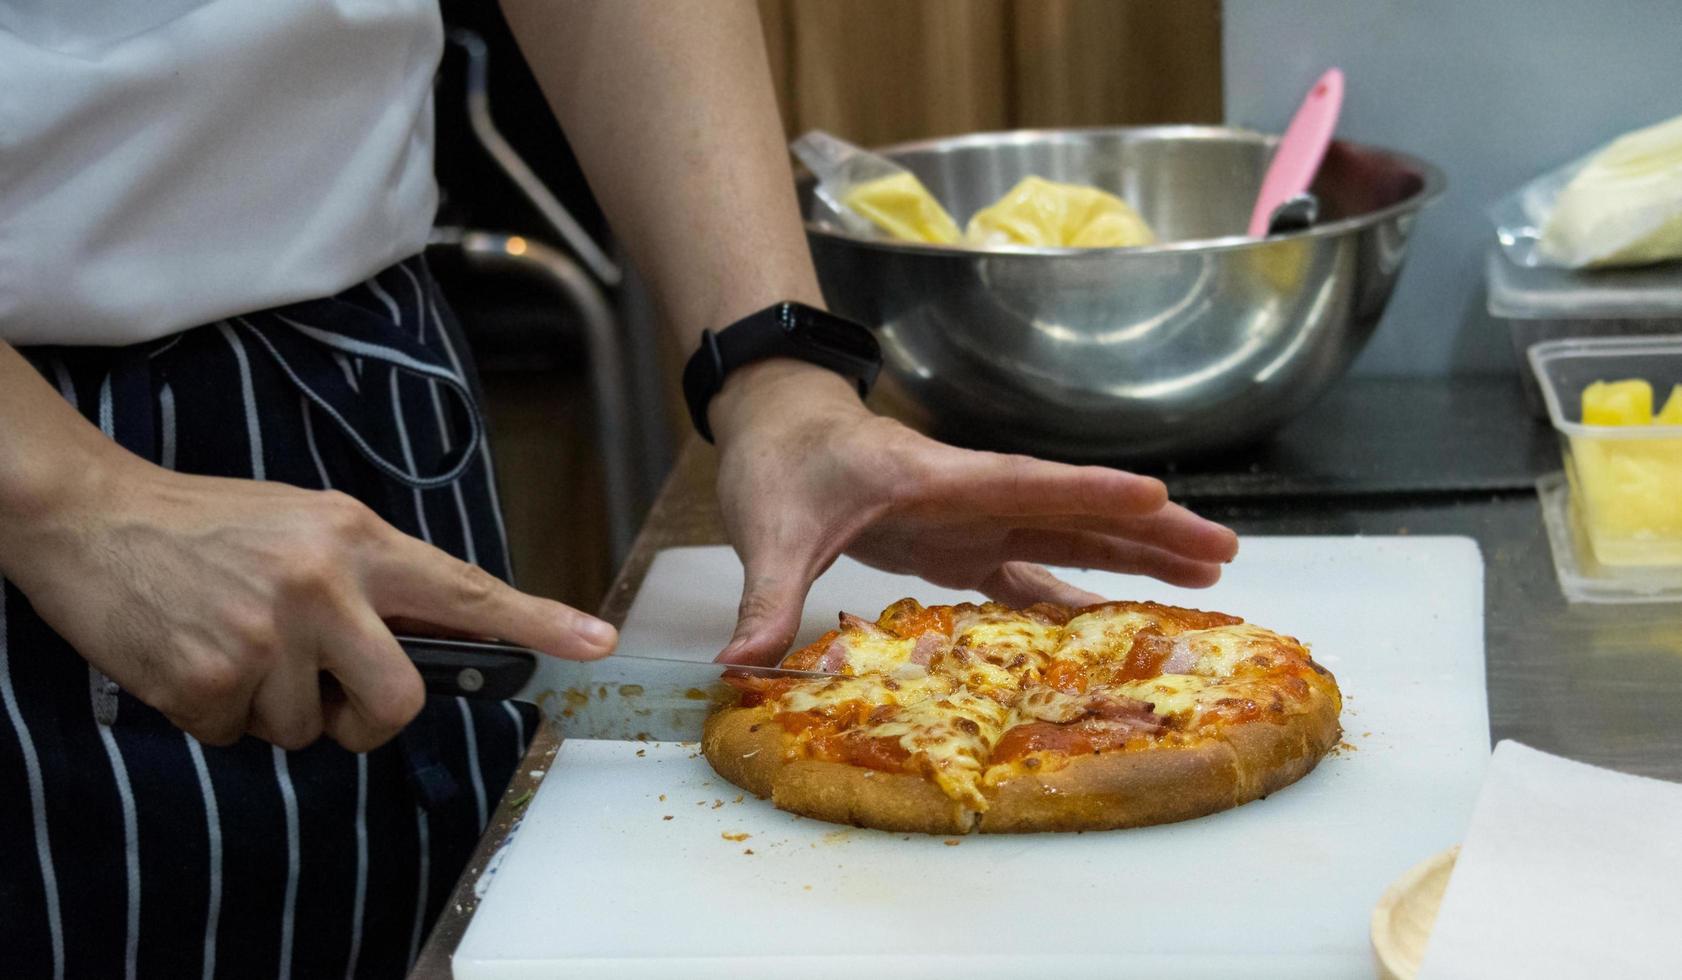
833 333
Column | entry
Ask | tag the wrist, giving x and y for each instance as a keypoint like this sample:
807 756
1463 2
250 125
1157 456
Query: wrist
39 501
777 388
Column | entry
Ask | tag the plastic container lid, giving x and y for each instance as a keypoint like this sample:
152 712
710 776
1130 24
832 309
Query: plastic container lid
1564 368
1543 293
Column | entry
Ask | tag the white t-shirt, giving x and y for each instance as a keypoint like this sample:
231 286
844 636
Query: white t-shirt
165 163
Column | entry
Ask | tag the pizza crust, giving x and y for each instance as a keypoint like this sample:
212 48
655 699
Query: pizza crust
1137 788
747 747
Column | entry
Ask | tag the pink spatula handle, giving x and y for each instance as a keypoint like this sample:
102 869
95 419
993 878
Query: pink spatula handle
1300 150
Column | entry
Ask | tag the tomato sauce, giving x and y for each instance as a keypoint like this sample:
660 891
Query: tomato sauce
1068 676
1077 738
1145 658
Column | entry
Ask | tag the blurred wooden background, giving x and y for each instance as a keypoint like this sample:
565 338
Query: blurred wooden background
881 71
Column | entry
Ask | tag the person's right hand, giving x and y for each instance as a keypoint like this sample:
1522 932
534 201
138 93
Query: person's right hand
223 602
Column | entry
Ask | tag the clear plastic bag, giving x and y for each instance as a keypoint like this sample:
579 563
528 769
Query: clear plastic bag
870 195
1621 205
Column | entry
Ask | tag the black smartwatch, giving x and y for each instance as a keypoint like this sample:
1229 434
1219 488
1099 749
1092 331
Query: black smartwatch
785 330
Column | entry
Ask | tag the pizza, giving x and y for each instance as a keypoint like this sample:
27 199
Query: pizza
951 719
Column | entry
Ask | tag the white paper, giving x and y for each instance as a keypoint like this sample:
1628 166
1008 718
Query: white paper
1568 870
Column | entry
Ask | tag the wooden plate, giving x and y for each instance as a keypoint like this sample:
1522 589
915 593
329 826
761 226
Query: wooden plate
1403 917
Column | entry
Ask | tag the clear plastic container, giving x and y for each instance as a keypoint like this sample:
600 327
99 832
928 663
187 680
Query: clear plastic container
1543 304
1626 481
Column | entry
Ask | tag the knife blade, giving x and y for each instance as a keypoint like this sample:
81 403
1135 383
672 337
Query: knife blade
623 696
647 698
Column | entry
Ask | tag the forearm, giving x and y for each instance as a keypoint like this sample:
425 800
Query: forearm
670 109
48 454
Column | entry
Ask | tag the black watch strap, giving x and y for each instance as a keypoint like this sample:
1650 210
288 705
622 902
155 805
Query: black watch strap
792 330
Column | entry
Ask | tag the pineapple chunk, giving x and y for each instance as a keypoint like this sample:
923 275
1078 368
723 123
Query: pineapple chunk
1040 212
1618 403
1671 414
901 206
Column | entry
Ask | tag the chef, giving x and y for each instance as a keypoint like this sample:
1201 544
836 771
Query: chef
239 441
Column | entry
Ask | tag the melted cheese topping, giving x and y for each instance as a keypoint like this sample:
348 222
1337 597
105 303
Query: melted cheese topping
1000 648
955 733
907 684
1221 651
1103 634
875 652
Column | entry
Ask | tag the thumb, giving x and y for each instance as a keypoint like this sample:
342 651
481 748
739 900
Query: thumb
773 594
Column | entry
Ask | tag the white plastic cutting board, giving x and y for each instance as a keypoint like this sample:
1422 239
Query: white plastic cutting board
599 882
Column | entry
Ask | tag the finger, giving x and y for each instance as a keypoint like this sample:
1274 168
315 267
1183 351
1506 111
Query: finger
1173 529
1012 486
773 595
382 690
211 700
1021 584
286 709
1087 549
414 580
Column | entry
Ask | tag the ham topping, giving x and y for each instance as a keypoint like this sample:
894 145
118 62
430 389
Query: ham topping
927 645
1061 708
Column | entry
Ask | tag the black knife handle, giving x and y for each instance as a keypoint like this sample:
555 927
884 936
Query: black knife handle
469 669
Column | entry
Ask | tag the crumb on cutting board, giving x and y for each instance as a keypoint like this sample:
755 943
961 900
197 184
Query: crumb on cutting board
747 850
737 836
717 804
642 753
662 797
666 817
952 842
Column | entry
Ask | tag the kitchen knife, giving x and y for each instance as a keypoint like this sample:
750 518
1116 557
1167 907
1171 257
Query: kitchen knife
652 699
469 668
657 699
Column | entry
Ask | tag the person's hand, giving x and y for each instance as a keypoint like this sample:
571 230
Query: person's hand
806 473
223 602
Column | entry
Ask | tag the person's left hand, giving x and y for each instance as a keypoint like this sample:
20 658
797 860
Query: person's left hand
807 473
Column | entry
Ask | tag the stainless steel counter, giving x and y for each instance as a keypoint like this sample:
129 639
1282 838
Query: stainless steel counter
1602 684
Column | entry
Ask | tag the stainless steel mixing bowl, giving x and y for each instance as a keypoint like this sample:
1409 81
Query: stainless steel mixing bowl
1204 343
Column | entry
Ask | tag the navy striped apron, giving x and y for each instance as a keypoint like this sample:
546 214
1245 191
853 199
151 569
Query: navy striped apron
127 848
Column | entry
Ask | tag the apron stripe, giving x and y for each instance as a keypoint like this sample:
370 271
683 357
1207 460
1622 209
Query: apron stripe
289 803
166 422
103 695
409 459
472 553
283 777
213 835
424 835
248 399
349 371
377 352
484 450
472 737
519 732
66 384
385 297
361 899
37 798
131 849
212 819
